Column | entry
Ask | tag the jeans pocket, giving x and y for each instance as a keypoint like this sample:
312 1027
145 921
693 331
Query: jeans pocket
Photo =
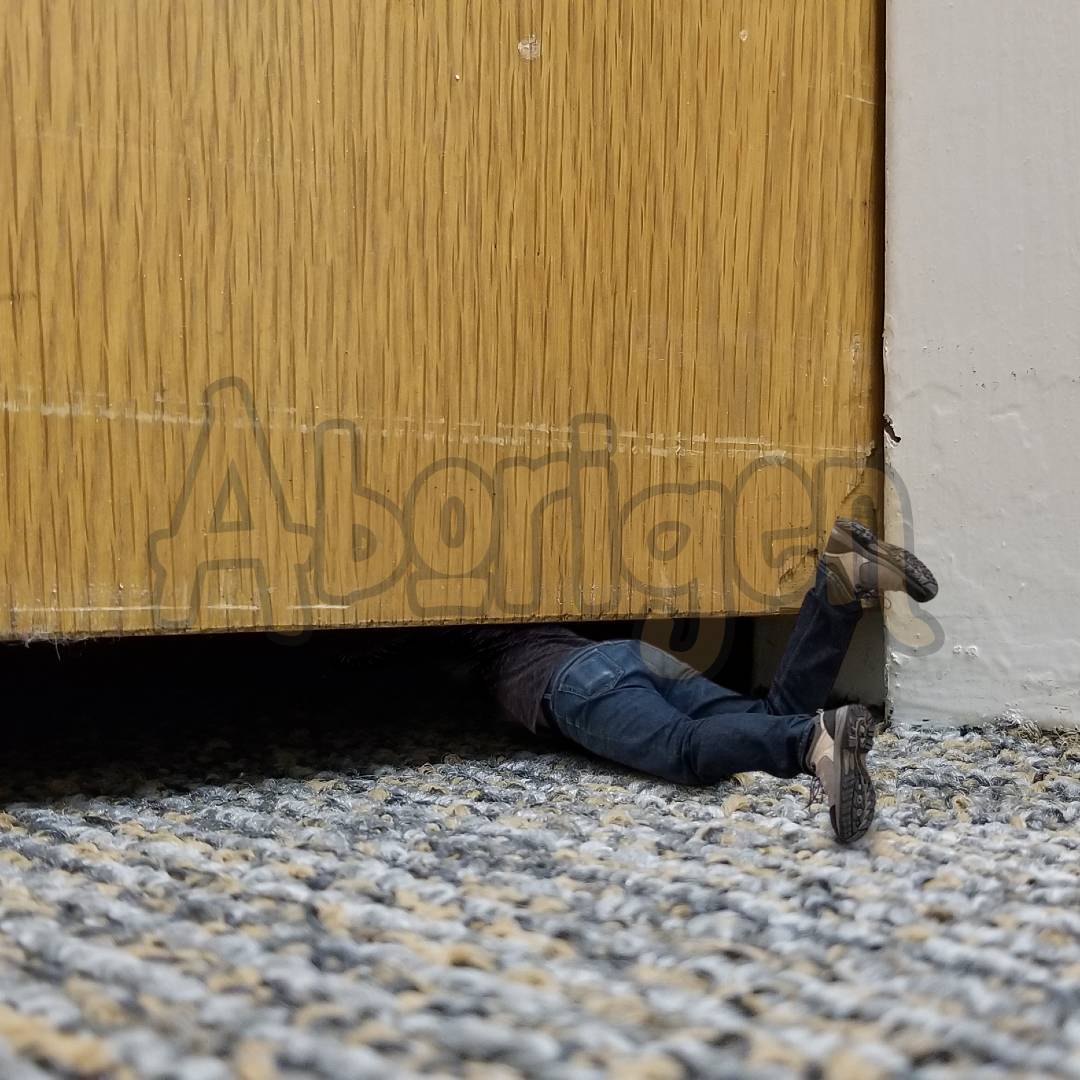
590 675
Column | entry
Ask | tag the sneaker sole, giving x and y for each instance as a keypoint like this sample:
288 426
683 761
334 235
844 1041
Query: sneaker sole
854 810
920 583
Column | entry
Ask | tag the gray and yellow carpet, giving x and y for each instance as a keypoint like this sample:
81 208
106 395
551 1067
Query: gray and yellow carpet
338 897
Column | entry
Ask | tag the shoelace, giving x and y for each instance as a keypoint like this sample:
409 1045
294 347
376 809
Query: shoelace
817 788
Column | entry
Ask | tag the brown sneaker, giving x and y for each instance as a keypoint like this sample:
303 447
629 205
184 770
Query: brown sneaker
837 758
861 567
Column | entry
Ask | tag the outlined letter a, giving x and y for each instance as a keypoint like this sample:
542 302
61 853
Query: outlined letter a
232 538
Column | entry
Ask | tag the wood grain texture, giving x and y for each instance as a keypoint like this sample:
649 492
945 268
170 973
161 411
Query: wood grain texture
366 312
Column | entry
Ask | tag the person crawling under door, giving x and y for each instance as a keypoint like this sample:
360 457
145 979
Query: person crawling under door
638 706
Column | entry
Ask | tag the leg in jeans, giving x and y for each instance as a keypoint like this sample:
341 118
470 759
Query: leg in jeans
636 705
814 652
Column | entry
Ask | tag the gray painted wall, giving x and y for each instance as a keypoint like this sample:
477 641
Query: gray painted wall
982 354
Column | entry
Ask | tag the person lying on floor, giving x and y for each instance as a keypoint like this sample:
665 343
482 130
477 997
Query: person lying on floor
638 706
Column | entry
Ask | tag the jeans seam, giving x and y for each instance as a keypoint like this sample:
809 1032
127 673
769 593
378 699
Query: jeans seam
785 663
804 745
686 761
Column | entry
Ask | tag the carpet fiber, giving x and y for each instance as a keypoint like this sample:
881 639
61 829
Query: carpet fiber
376 900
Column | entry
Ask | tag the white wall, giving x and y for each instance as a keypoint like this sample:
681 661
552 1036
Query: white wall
982 344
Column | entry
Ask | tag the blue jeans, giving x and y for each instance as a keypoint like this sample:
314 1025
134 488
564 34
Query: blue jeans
636 705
